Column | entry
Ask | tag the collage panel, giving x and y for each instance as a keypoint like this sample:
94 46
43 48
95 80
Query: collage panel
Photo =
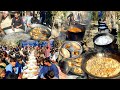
59 44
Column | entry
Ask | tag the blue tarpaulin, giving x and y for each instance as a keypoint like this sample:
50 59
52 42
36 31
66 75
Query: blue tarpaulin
44 43
36 43
29 43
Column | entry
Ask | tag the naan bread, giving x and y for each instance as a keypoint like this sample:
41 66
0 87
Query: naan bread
65 53
75 45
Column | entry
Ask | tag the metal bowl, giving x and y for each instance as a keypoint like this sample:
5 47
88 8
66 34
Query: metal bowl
89 55
71 49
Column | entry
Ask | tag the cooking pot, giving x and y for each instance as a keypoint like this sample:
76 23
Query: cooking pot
44 28
103 28
106 46
78 36
91 54
40 26
9 31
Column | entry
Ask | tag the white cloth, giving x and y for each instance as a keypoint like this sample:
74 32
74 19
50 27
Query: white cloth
55 56
71 77
7 51
6 23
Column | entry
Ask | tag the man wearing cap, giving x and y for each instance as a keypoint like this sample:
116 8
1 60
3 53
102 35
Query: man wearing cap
6 21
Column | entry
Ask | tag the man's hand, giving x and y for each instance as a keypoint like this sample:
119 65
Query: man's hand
53 61
43 78
17 27
20 76
13 28
28 25
14 69
36 73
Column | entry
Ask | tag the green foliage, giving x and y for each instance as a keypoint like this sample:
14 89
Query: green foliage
104 15
95 15
118 39
118 14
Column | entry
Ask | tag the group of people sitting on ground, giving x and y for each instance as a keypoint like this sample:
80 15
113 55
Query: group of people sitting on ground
13 60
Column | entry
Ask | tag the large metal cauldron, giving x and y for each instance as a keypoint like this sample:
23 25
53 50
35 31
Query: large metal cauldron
40 26
89 55
44 28
78 36
104 47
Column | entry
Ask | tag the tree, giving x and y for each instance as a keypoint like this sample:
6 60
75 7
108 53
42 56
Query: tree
95 15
